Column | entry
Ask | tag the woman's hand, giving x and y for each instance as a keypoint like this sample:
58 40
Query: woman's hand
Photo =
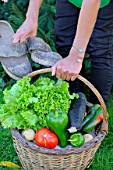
68 68
27 29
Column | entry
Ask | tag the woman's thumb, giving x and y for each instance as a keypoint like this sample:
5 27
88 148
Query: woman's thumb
53 70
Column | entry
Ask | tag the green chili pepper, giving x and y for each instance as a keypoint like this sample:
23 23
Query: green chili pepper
91 113
57 122
94 121
77 139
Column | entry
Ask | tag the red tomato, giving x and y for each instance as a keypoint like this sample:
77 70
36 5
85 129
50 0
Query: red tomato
45 138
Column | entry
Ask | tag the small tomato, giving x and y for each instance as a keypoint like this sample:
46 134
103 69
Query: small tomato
45 138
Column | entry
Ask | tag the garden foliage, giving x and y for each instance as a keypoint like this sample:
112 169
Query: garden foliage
15 13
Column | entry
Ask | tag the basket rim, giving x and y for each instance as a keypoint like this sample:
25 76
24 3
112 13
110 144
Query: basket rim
63 151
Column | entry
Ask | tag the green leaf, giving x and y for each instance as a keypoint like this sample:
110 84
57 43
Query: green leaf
30 117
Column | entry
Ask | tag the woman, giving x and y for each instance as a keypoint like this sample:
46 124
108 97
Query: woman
78 30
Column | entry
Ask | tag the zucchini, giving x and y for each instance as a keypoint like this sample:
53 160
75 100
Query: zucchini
91 113
76 113
94 121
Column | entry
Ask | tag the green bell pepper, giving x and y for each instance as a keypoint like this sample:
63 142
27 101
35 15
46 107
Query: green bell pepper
77 139
57 122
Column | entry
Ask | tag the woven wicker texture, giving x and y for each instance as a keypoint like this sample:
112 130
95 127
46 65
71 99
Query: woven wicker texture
33 157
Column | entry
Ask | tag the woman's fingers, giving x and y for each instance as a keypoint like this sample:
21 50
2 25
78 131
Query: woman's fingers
65 75
59 72
20 36
73 77
27 29
54 70
16 38
23 38
62 73
68 77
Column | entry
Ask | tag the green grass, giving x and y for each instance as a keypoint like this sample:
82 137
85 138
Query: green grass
103 159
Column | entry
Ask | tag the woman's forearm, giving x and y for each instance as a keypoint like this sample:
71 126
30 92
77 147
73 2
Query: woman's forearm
33 9
86 22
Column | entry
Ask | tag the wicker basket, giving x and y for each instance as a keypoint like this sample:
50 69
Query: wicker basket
33 157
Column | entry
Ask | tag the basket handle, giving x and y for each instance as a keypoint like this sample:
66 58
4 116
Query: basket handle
104 126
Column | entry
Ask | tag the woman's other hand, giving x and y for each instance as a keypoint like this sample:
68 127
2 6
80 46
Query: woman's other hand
27 29
69 67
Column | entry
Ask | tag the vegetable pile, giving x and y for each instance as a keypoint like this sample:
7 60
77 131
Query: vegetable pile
45 112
